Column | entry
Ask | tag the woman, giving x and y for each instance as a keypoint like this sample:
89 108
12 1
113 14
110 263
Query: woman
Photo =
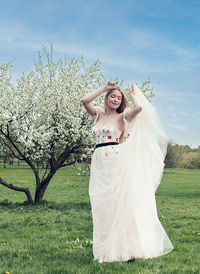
125 175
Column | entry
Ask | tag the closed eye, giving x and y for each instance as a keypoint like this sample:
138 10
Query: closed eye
119 97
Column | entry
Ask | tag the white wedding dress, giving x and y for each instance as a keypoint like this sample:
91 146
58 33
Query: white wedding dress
122 187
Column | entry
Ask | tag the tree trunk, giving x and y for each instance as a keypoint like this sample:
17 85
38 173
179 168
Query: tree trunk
4 162
41 187
40 190
11 162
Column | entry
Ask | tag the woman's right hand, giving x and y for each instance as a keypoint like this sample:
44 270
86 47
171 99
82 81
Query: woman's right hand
109 85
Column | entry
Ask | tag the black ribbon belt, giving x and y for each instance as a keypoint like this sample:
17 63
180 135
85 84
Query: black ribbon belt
107 144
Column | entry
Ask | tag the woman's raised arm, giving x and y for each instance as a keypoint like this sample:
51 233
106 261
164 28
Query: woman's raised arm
137 107
89 97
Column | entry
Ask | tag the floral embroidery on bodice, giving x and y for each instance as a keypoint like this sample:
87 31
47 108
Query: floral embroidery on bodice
107 133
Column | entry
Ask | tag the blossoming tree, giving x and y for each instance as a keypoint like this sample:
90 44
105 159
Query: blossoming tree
42 121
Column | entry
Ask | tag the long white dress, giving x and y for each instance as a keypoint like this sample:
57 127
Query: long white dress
122 186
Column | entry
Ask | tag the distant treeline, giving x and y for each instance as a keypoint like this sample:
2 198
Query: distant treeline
182 156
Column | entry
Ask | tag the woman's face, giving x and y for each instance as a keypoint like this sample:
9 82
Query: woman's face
114 99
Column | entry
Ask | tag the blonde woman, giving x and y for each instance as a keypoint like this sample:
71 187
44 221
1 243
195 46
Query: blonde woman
126 169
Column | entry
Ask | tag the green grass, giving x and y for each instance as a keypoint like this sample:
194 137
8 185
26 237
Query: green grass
55 235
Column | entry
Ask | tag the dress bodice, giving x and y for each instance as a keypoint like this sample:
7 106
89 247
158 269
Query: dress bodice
107 133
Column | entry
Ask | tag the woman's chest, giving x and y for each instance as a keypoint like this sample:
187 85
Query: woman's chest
104 122
108 133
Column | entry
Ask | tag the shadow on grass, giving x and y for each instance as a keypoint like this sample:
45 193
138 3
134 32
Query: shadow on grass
180 195
46 205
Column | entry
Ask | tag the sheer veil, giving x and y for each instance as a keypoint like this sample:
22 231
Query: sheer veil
148 139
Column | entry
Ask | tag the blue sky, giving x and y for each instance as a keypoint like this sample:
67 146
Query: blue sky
134 40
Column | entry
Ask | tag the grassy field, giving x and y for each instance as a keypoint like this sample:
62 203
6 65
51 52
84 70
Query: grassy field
55 235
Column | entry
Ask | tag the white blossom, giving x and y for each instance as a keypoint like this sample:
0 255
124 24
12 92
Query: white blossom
43 110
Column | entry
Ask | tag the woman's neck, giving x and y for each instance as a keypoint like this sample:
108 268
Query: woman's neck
110 111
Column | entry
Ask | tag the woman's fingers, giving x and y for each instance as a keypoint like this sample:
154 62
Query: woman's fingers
132 91
132 88
112 83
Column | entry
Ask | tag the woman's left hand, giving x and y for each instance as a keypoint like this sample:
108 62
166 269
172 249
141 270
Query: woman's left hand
131 90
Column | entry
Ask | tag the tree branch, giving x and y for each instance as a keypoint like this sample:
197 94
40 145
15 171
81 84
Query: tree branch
47 165
52 159
10 148
24 158
16 188
69 164
14 145
64 155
